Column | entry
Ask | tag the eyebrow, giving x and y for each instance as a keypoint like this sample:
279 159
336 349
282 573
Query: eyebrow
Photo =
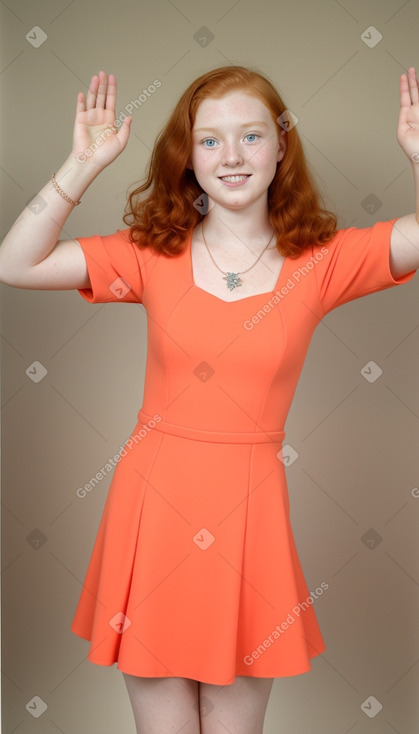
246 124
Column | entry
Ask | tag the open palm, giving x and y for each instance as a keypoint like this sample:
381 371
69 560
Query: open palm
408 127
96 139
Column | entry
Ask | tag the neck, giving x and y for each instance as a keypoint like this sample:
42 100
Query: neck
237 229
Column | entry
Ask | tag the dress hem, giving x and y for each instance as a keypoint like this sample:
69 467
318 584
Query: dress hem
241 672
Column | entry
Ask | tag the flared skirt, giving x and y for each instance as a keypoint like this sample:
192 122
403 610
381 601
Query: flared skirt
194 570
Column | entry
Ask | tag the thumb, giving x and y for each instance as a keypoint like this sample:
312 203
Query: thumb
124 131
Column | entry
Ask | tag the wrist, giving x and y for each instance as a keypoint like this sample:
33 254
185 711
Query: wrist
72 179
84 170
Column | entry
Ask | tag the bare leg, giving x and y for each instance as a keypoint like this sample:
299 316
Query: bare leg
169 705
238 708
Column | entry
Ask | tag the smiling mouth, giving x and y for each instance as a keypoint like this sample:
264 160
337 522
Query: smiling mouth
234 179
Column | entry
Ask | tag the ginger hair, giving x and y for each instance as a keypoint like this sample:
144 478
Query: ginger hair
164 217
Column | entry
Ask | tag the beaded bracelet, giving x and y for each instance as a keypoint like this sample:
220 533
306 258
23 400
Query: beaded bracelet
62 193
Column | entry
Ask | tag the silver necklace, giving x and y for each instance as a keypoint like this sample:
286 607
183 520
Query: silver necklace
233 280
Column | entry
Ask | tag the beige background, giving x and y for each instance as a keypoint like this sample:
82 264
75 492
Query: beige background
357 441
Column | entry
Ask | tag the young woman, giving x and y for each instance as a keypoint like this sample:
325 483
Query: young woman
194 587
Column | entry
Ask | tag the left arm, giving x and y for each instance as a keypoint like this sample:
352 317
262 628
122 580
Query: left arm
404 241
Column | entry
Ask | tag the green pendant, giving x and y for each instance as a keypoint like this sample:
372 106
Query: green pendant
233 281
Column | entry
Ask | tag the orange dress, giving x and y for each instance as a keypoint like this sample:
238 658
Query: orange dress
194 571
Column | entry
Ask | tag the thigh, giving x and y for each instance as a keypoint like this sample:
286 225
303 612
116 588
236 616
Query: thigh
238 708
164 704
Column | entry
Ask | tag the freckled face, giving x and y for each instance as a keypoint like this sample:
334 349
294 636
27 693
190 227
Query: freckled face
231 136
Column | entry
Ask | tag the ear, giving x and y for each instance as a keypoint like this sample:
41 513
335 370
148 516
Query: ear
189 164
282 145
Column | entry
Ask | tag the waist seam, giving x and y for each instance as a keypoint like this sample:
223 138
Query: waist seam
212 436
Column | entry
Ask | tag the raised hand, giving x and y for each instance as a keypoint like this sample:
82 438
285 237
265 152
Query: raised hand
96 139
408 127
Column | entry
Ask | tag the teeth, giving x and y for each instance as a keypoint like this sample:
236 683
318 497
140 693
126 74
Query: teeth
233 179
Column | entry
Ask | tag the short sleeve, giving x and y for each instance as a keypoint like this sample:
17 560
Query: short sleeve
115 267
354 263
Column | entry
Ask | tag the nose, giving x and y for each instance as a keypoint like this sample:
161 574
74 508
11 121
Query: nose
232 155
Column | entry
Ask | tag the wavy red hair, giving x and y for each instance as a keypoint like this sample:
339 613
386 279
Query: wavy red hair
164 218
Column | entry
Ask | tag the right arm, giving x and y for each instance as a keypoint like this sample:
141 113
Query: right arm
31 255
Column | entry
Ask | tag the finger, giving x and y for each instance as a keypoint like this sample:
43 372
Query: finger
124 132
92 92
413 84
80 104
405 100
101 92
111 93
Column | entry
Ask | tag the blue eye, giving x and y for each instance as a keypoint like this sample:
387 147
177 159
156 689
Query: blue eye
212 140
